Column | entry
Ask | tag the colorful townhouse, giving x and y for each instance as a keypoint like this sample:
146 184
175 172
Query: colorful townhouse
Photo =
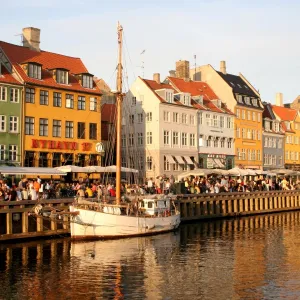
244 100
290 122
273 140
215 123
60 106
10 114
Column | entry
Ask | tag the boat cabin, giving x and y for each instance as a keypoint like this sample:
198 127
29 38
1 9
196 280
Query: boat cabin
153 207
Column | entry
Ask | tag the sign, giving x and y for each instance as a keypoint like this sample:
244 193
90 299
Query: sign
61 145
100 148
221 156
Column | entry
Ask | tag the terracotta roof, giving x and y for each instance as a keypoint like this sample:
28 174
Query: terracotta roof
19 55
6 77
285 114
108 113
199 88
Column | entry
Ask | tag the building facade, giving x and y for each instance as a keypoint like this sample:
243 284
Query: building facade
160 129
215 123
273 140
10 114
241 98
61 120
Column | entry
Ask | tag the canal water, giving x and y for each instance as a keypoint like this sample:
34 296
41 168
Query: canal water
249 258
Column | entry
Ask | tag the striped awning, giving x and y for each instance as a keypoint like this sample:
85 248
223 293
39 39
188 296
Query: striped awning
179 159
170 159
188 160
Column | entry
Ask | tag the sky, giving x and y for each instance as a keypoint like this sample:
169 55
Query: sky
259 38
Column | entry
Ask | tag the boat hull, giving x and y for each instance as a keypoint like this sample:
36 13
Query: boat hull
89 224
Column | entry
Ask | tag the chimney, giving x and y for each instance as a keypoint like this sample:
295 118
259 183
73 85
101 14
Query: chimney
156 77
172 73
279 99
31 38
223 66
183 69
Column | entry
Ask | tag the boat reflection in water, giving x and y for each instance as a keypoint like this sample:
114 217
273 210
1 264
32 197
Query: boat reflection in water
253 257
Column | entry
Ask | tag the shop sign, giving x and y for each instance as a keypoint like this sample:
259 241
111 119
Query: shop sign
61 145
221 156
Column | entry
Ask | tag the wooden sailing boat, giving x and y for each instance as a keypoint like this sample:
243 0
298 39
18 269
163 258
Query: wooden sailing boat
150 215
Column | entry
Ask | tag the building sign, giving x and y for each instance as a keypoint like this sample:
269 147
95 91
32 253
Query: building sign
100 148
61 145
222 156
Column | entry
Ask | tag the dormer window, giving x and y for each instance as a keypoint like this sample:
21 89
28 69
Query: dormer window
267 125
34 71
240 98
62 76
169 96
87 81
247 100
254 101
186 99
276 126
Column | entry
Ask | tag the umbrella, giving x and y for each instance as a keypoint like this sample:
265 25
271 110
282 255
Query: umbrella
237 172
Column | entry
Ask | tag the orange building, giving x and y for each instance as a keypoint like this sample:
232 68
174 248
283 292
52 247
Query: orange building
61 117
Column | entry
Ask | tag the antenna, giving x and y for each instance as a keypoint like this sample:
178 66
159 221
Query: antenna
143 62
21 35
195 65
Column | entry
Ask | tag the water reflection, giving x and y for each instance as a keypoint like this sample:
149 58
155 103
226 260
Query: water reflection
250 258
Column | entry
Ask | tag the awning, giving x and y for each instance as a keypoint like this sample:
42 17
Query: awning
188 160
219 163
170 159
179 159
30 171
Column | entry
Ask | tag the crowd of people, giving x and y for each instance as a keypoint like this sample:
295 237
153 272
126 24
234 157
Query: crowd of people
35 189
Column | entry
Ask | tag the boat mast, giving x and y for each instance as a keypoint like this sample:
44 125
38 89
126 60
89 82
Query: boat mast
119 116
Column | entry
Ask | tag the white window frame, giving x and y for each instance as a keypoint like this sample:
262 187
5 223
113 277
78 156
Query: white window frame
93 104
140 118
192 139
13 153
166 137
149 116
3 93
2 152
13 123
3 123
14 95
149 138
184 139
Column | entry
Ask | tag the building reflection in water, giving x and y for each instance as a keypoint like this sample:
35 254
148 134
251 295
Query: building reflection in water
253 257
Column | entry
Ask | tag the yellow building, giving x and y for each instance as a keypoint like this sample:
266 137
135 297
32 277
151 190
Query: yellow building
61 120
244 100
290 122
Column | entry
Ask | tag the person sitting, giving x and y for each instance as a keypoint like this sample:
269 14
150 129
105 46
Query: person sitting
89 193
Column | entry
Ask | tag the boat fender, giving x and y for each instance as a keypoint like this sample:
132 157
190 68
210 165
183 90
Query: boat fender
150 227
38 209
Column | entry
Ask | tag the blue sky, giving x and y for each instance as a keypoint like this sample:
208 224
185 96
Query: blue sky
260 39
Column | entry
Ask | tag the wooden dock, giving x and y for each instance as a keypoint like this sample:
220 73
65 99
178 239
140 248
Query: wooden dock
17 219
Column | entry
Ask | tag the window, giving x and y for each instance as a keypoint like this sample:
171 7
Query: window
29 126
140 118
222 123
149 117
56 131
29 95
43 127
258 135
81 130
2 123
243 133
35 71
192 139
249 134
222 142
239 98
208 143
133 101
215 120
292 155
166 137
276 126
249 115
93 104
131 119
13 124
270 142
258 155
186 100
81 103
175 138
131 139
13 153
265 159
184 139
2 152
267 125
169 97
149 163
69 101
192 120
229 122
238 153
166 164
62 76
87 81
166 116
149 138
296 155
253 156
176 166
184 118
280 143
253 134
280 160
123 141
254 101
43 160
14 95
200 119
175 117
3 93
243 114
44 97
216 143
243 154
229 143
140 139
238 133
208 120
238 113
258 117
249 154
274 143
247 100
56 99
93 131
69 129
253 116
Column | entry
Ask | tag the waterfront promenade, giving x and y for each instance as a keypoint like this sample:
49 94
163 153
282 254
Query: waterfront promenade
17 219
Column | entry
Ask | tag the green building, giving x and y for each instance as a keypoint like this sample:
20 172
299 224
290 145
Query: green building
10 114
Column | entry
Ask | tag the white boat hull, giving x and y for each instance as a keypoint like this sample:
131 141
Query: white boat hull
89 224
